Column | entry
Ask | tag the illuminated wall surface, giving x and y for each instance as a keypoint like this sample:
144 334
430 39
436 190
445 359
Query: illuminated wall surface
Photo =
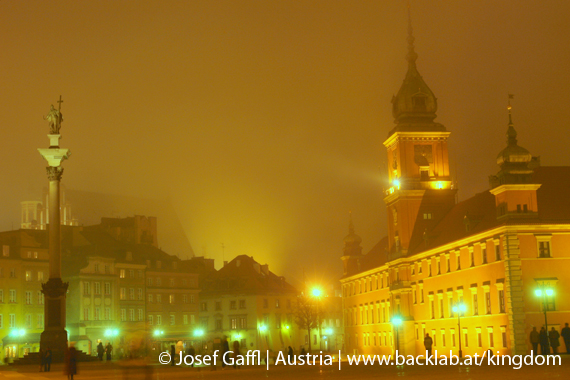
501 256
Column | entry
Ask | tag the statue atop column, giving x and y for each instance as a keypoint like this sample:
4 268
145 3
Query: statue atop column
54 118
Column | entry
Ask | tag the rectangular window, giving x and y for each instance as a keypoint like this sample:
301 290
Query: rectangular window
28 321
131 273
465 338
458 261
140 295
192 299
441 308
543 249
150 300
484 255
107 313
185 319
122 273
277 304
96 268
107 288
28 298
85 313
233 323
414 296
172 319
502 301
448 260
149 281
40 276
158 281
28 275
491 338
171 298
97 288
192 319
131 294
12 321
123 315
132 315
141 315
475 304
479 339
497 252
39 321
243 323
432 309
13 297
151 320
86 288
41 298
96 315
472 258
123 294
1 296
185 298
265 303
159 319
488 302
12 272
453 338
6 250
158 298
232 305
504 338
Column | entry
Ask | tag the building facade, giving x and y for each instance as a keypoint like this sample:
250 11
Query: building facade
487 255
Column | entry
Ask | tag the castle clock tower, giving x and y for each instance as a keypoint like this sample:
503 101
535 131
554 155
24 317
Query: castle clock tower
418 164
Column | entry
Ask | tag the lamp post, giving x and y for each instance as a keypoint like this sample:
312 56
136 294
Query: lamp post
396 322
459 308
316 292
544 292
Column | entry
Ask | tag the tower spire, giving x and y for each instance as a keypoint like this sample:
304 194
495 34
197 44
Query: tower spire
511 132
412 55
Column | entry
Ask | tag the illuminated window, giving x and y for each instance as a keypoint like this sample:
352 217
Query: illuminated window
122 273
427 216
131 294
28 275
6 250
171 298
123 294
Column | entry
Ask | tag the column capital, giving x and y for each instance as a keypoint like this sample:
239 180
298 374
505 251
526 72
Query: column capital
54 173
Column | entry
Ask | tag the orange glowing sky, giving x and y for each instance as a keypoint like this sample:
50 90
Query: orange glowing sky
262 122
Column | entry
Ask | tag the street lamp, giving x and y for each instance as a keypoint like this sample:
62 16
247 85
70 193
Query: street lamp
397 321
459 308
317 293
544 292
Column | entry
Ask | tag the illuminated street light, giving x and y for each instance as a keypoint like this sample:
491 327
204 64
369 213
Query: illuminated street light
396 183
397 321
262 328
198 332
329 331
158 332
459 308
316 292
544 292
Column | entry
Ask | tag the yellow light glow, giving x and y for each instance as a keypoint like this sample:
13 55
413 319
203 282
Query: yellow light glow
316 292
439 185
396 183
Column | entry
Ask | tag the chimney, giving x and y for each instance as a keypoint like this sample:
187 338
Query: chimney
256 267
265 269
225 263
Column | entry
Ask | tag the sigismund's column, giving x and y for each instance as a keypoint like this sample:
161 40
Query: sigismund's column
54 335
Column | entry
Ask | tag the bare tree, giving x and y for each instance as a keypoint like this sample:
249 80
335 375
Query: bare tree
306 315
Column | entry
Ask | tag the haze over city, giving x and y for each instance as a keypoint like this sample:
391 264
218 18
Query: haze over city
262 122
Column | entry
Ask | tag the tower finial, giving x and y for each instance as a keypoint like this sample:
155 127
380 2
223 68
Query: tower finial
412 55
350 224
511 132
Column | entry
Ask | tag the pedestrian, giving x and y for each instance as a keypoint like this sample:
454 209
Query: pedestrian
290 354
428 342
191 352
554 337
47 360
543 336
100 351
534 340
225 348
566 336
71 362
303 352
236 353
109 351
172 354
42 359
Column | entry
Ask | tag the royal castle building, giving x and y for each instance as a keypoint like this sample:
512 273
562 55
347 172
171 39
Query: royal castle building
489 254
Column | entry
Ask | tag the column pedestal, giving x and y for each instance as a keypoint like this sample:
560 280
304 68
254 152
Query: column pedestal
54 335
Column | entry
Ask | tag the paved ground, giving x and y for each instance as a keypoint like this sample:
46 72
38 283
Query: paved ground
161 372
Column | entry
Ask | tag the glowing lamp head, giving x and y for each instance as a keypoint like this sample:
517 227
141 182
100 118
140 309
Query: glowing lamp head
329 331
396 183
22 332
107 332
262 328
316 292
538 292
397 321
286 327
115 332
462 308
549 292
198 332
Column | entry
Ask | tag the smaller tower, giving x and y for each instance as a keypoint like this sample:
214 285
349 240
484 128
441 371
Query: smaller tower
352 252
515 194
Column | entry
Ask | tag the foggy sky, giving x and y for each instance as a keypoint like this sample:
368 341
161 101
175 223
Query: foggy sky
262 122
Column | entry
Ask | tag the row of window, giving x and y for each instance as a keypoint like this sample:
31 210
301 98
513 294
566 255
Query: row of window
28 321
172 282
96 288
447 258
186 298
475 307
233 304
13 297
95 314
157 319
441 341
